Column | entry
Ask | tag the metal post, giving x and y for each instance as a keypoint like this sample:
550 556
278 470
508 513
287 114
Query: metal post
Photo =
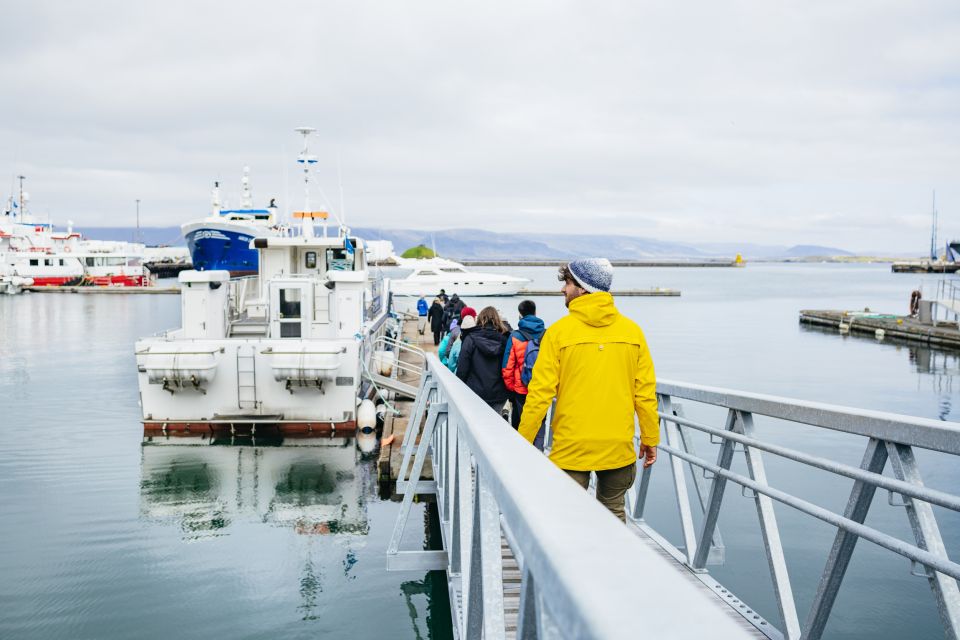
679 483
771 536
927 533
717 487
858 504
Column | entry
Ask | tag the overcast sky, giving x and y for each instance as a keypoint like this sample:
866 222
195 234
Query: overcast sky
775 122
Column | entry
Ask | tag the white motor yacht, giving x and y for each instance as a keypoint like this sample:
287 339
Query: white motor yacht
429 275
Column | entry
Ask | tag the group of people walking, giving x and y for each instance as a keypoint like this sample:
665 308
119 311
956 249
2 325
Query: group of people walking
594 361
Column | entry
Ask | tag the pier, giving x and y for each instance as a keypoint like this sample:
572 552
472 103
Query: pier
106 290
615 263
528 554
941 334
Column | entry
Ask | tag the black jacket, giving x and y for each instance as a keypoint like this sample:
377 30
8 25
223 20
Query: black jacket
479 365
436 317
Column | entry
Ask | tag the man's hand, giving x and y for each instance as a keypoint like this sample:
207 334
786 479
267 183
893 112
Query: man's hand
650 453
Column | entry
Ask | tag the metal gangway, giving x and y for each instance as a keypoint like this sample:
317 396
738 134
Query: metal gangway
580 573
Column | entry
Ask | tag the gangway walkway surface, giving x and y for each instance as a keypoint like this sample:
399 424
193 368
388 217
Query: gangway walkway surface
529 554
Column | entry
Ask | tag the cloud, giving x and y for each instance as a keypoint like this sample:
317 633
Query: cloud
785 123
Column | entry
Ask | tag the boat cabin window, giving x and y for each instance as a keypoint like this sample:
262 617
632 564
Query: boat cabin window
34 262
90 261
48 262
452 270
427 273
339 260
290 309
134 261
310 260
61 262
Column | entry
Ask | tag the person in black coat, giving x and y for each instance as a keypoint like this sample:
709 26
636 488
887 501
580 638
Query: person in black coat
481 353
435 315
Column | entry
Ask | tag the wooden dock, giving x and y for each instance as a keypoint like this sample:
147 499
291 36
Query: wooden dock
106 290
944 334
657 292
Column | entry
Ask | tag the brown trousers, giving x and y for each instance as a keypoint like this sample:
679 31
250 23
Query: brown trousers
612 484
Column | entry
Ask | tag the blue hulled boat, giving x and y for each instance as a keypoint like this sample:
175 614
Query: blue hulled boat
221 241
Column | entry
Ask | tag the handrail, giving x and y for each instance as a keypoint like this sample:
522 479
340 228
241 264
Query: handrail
584 573
889 437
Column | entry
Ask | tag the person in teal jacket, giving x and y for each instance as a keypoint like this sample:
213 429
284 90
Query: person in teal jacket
447 341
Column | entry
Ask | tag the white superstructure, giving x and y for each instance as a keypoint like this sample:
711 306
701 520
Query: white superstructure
429 275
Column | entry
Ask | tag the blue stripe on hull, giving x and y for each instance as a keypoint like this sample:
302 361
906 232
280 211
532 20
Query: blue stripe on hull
219 250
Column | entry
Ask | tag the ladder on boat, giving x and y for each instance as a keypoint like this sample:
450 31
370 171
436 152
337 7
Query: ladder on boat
246 377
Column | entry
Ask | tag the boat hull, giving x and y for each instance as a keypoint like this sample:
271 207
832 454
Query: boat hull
184 383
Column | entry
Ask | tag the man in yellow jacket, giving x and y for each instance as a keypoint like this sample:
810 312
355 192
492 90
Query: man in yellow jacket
596 363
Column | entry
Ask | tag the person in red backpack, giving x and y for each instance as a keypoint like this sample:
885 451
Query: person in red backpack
518 359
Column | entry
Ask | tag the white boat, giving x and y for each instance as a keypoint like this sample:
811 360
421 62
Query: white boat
10 282
288 347
429 275
33 250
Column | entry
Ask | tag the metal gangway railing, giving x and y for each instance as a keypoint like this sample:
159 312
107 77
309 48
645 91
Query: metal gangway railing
586 575
583 574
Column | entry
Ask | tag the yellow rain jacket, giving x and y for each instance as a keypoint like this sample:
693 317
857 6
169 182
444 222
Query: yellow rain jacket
596 363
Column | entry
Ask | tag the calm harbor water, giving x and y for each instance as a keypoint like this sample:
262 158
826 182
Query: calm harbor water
105 537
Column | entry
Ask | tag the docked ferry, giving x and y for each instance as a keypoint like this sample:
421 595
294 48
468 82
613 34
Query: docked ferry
221 241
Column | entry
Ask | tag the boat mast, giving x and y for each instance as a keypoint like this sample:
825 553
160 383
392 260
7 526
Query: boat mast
246 197
21 198
215 198
306 160
933 230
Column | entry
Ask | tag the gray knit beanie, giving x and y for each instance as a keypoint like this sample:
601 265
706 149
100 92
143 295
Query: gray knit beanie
593 274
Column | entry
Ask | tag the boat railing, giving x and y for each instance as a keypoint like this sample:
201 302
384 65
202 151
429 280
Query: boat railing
416 360
948 298
240 290
889 437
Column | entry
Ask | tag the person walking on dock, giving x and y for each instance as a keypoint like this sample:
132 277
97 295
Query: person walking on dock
481 352
516 359
596 363
435 314
422 310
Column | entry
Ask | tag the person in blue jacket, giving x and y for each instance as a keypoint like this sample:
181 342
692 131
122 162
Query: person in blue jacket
422 309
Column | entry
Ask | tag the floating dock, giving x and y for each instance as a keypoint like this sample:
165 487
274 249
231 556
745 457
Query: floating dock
943 334
658 292
616 263
926 266
106 290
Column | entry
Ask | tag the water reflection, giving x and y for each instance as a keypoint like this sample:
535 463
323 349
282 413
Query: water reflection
321 489
314 487
939 369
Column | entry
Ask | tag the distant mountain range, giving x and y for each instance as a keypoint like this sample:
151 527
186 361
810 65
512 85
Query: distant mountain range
477 244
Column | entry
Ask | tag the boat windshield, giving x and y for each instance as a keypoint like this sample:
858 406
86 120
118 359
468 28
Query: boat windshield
453 269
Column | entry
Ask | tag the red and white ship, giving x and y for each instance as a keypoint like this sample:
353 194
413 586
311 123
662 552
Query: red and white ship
33 250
